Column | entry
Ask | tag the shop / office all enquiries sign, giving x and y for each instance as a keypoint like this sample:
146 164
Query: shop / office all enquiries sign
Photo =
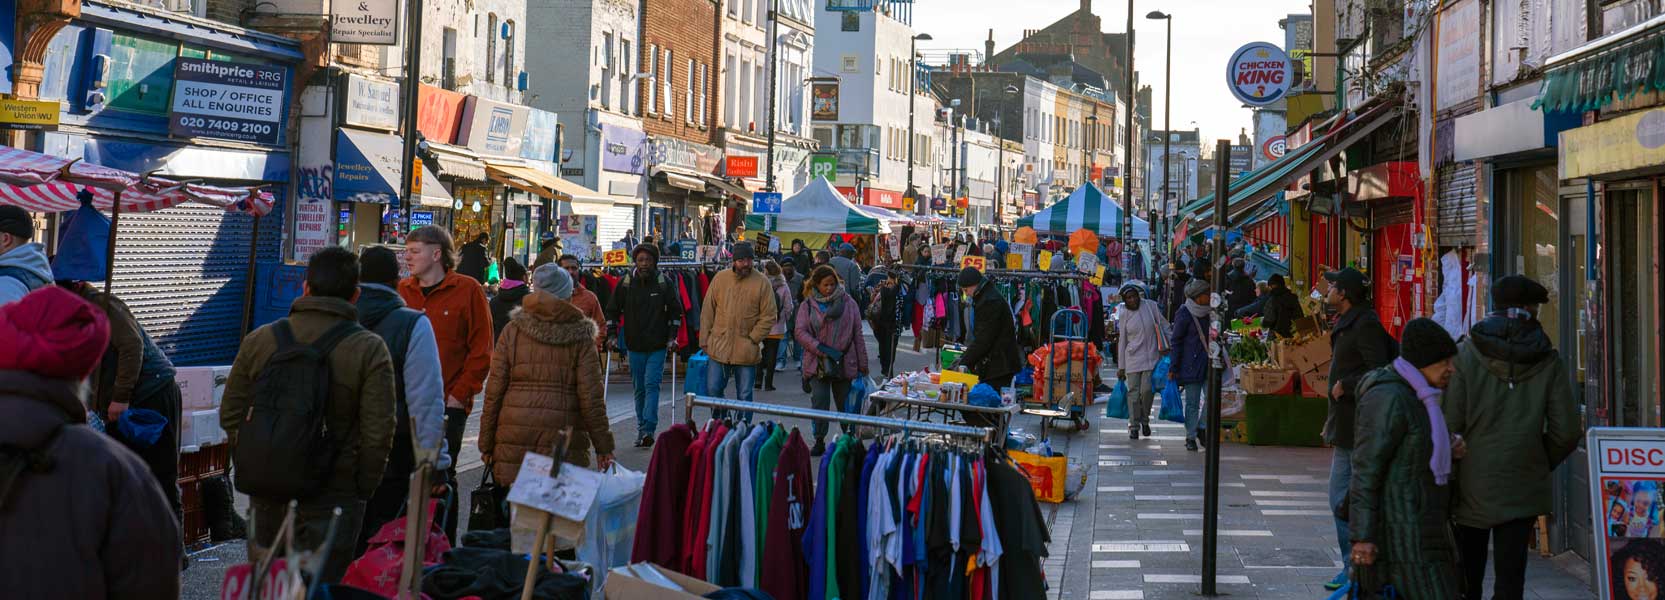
229 101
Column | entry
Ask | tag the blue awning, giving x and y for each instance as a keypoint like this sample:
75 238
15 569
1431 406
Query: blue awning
367 167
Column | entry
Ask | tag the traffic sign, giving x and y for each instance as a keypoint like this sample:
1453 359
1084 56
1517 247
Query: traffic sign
823 165
766 203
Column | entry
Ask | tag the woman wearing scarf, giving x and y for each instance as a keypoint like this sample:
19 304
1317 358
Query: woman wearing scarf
771 342
510 293
1189 353
835 351
1400 500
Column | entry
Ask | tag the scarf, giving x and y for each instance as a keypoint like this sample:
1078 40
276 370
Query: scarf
833 302
1440 461
509 284
1197 310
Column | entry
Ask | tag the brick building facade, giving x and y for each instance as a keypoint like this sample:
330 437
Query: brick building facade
679 47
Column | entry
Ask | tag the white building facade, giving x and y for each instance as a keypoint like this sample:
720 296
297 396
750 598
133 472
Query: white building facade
746 52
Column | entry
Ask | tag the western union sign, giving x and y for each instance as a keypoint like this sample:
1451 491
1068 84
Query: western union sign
29 114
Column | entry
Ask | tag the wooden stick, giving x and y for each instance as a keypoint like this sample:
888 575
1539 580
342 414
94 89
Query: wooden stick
537 557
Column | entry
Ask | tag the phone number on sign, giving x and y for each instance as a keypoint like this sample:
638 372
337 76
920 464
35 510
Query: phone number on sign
225 126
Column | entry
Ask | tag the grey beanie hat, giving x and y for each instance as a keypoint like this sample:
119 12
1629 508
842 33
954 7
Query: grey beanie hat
553 279
1197 287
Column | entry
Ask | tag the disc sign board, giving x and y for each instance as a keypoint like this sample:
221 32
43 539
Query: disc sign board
1258 73
1626 465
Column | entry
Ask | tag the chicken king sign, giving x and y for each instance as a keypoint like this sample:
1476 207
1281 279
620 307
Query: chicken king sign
1258 73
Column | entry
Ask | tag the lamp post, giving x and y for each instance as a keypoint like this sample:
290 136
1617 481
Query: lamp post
1127 153
1086 142
774 67
1000 160
913 83
1167 104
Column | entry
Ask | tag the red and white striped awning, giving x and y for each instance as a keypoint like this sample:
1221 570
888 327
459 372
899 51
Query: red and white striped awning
44 183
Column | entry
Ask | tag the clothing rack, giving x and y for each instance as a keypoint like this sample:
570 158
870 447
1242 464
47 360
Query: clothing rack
981 434
887 402
664 266
1027 274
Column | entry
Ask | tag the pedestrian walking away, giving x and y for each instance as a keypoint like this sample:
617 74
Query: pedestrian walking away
1142 340
456 307
275 375
889 309
1190 353
1399 498
474 259
1512 402
510 292
737 313
545 377
1358 345
83 515
770 360
835 351
643 317
419 390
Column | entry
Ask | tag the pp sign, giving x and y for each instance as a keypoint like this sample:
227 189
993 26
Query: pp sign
823 165
1258 73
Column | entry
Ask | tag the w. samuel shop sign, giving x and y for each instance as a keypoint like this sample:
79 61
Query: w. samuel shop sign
1258 73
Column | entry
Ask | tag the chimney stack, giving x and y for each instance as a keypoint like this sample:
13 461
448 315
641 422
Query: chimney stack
1087 6
988 48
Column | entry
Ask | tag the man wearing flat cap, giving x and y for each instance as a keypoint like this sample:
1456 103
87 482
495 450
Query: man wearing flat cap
1358 345
1512 402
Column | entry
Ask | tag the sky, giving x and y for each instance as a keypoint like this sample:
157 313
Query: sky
1206 32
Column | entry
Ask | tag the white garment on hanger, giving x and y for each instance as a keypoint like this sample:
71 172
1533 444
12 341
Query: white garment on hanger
1448 307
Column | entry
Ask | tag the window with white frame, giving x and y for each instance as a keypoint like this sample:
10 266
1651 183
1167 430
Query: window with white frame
705 82
688 98
652 90
606 60
491 48
668 72
627 92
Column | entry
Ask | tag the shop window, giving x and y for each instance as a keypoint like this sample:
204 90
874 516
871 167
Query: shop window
509 34
1633 285
491 48
140 74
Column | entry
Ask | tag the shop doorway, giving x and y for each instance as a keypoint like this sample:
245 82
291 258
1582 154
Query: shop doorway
1633 288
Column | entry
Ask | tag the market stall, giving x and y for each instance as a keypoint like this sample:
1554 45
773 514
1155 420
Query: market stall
1087 208
814 213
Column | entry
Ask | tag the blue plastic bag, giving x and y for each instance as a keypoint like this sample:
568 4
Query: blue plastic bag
695 384
141 427
1159 376
1173 409
857 399
1116 407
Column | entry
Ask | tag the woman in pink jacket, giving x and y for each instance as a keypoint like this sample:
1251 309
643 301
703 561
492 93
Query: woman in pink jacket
835 352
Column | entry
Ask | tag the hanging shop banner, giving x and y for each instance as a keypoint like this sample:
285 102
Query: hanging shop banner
32 115
537 142
621 149
438 112
823 101
1258 73
1626 465
228 100
823 165
371 103
365 22
1458 74
492 127
741 166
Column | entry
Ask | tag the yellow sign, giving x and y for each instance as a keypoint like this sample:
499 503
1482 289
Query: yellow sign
907 203
416 176
974 261
615 258
1014 261
1098 277
1043 261
1634 141
29 114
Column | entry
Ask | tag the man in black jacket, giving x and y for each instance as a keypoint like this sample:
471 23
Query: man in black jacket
1279 308
473 260
1174 296
1358 345
992 354
643 316
1240 287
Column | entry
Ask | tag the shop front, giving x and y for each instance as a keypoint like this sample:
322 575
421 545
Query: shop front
618 161
682 200
1394 245
184 271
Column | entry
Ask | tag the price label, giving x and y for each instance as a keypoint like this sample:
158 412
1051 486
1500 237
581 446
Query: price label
978 262
939 254
1087 262
1025 252
1014 261
1044 260
959 255
687 252
616 258
1098 276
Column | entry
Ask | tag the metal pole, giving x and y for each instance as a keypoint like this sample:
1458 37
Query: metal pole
412 85
1167 134
774 67
1127 153
999 173
1211 490
110 246
913 80
248 278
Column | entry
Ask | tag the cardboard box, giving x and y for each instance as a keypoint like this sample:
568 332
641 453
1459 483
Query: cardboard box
646 581
1310 355
200 388
1316 383
1266 381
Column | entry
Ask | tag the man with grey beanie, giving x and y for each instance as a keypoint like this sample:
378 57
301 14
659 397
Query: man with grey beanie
553 279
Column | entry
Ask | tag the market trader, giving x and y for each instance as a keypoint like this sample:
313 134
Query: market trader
992 354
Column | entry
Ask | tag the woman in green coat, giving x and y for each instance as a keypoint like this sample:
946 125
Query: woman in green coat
1400 496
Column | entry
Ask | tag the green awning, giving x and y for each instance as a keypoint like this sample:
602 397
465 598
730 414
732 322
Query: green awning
1603 72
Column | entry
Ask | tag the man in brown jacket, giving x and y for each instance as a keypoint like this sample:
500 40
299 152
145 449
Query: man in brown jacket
738 312
361 405
586 301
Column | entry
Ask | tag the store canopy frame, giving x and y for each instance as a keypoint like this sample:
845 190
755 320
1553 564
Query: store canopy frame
457 162
525 178
433 194
677 178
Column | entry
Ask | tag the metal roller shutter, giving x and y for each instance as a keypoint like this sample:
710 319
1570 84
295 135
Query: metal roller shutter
612 226
1457 208
183 270
1391 212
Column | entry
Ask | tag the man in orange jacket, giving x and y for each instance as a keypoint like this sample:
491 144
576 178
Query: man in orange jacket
456 305
586 301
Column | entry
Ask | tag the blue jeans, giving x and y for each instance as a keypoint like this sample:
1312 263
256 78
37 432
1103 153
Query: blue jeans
646 369
717 376
1341 474
1193 407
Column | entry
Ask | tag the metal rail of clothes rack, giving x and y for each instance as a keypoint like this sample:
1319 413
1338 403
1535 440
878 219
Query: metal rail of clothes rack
917 409
663 265
980 434
1005 272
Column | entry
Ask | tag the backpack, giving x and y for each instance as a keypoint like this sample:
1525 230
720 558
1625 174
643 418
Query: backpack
284 447
29 279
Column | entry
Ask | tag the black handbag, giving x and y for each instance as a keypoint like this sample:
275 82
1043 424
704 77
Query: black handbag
485 511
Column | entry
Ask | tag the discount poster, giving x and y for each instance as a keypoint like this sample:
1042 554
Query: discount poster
1627 475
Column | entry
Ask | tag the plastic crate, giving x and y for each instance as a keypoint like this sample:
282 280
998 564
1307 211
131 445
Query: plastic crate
1284 420
206 462
194 528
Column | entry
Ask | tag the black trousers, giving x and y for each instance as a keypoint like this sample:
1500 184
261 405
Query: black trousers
455 420
887 336
1509 542
771 352
389 500
163 456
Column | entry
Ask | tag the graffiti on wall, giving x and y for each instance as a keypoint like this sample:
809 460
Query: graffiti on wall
313 195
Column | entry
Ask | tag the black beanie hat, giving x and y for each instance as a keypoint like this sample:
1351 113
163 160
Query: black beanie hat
513 270
652 250
1518 290
380 265
969 276
1425 342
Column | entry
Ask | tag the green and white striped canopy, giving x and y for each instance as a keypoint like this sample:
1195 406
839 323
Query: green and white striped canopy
818 208
1087 208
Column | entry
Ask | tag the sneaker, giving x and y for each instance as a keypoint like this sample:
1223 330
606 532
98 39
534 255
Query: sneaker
1132 433
1337 582
641 441
1144 429
1191 445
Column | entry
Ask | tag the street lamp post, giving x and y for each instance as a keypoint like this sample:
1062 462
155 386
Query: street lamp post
1167 104
1000 160
1086 141
1127 153
913 83
774 67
